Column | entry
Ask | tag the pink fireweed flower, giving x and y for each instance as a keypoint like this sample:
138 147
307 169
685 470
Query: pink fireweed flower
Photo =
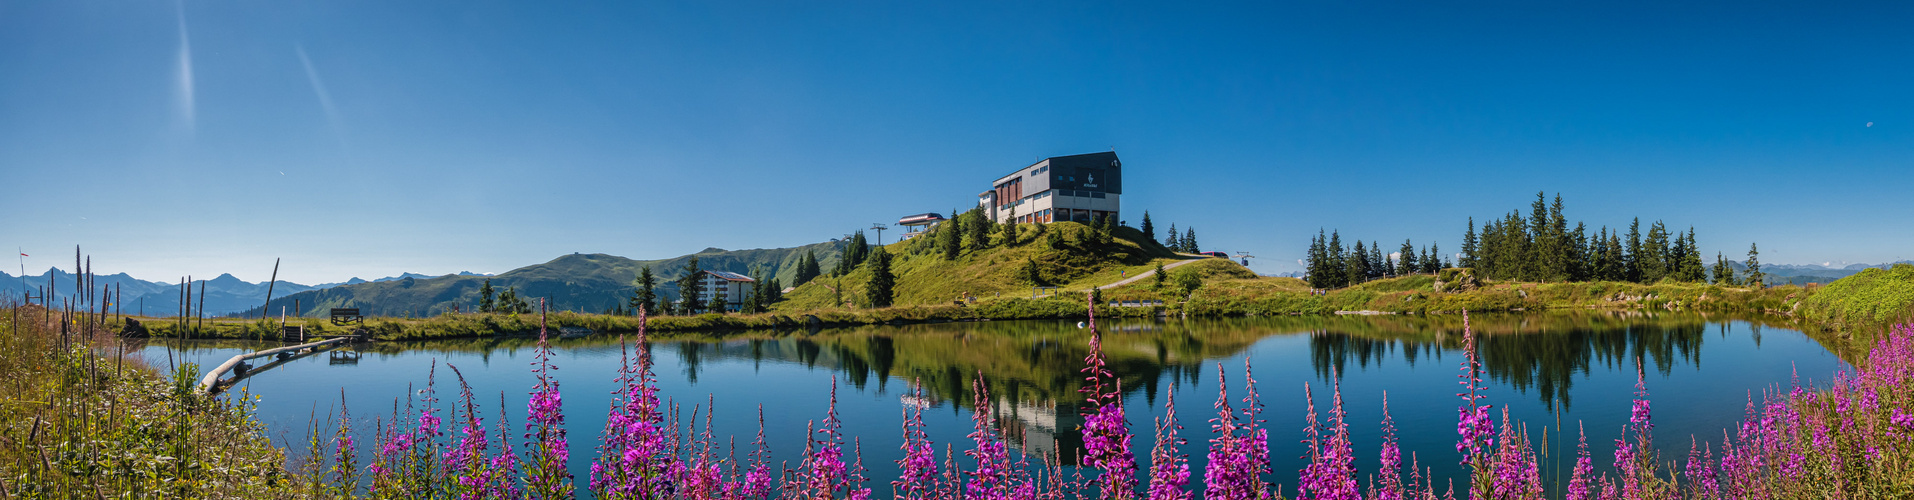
1169 469
1390 473
345 460
1106 434
1331 473
917 476
1476 428
993 478
1232 473
1578 482
546 477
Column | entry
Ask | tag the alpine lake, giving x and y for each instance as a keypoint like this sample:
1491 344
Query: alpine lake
1558 373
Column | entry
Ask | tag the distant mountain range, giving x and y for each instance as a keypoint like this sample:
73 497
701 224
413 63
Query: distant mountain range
585 282
224 294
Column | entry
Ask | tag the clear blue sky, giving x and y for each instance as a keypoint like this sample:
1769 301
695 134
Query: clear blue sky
370 138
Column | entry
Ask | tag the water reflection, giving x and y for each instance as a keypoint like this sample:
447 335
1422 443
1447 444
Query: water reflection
1538 362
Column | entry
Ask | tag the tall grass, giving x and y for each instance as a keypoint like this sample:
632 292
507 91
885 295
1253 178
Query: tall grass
80 419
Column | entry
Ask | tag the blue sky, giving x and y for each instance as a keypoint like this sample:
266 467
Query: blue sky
371 138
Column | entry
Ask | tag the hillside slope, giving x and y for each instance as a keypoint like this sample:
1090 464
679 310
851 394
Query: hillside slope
582 282
1065 254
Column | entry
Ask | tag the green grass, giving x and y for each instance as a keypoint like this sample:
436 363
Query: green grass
925 277
1866 303
82 419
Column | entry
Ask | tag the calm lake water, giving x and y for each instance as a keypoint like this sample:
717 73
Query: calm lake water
1552 371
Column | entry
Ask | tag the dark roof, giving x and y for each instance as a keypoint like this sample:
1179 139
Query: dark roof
730 275
1086 156
921 218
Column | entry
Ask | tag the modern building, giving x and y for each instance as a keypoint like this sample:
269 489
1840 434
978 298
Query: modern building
729 286
1064 188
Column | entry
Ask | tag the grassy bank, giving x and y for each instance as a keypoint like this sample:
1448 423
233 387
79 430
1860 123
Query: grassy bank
81 419
1863 305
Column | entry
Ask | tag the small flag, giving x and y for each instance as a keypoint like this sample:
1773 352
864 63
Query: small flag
25 255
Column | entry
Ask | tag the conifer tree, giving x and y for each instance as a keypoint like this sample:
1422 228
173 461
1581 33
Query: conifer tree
1356 268
1031 274
1655 254
977 227
947 244
1160 276
879 290
1756 278
1468 245
1173 241
1437 261
1407 256
1337 272
807 268
717 304
688 292
1149 230
1317 264
1010 228
1107 231
1189 240
1378 263
644 294
1634 263
1577 254
1721 274
486 301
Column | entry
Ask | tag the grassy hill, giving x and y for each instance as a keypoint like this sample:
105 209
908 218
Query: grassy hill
583 282
1066 256
1866 302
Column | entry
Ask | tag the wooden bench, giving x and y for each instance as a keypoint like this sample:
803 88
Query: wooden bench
347 316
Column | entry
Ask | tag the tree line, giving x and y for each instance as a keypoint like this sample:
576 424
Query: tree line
1538 247
1329 265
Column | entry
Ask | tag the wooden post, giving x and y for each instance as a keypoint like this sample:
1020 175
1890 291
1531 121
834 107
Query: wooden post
267 309
202 304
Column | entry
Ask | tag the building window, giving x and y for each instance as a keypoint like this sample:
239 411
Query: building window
1096 195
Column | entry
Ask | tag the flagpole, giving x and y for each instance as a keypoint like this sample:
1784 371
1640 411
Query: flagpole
23 276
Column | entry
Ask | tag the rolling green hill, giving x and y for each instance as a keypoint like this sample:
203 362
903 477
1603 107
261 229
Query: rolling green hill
1065 254
583 282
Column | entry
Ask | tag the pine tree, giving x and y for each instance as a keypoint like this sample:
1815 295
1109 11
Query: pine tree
1189 240
1317 261
717 304
644 296
977 227
688 292
1173 241
1468 245
879 291
1356 268
1010 228
1407 257
1724 274
807 268
1437 261
1161 276
1337 274
1755 277
1577 254
1149 230
1378 263
1655 254
947 236
1106 232
1634 263
486 302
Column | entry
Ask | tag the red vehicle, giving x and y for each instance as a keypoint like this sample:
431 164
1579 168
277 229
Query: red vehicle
1219 255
